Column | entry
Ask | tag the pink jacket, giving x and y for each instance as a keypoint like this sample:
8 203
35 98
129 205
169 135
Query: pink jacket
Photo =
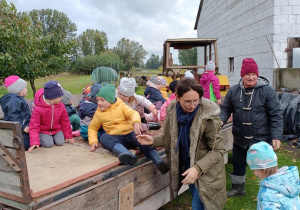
163 108
48 119
206 79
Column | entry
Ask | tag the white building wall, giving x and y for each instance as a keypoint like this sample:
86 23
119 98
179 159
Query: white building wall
286 25
242 28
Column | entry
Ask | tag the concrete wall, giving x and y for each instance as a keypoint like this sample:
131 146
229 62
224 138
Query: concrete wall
242 28
287 78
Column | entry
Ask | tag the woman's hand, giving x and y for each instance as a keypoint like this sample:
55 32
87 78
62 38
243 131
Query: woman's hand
145 139
70 140
154 112
93 147
32 147
137 128
190 176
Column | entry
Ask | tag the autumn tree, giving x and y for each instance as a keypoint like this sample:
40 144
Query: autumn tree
188 57
25 50
130 52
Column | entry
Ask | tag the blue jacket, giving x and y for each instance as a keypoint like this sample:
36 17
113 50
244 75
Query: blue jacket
87 109
71 110
153 94
15 109
280 190
256 113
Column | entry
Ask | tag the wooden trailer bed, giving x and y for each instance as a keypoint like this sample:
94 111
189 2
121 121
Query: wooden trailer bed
72 177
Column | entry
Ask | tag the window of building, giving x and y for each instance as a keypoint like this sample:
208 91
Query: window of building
231 64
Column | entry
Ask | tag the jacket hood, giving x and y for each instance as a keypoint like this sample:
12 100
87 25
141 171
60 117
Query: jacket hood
206 76
285 181
261 81
39 100
8 97
151 84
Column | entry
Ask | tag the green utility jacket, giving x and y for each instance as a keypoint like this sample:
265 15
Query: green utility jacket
206 152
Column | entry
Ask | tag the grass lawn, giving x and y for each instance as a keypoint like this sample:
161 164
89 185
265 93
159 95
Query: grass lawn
287 156
72 83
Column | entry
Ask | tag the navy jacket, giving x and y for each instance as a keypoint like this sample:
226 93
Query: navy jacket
256 113
15 109
153 95
87 108
71 110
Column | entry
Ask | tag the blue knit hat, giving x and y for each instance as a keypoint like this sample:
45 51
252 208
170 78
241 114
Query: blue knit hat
261 156
52 90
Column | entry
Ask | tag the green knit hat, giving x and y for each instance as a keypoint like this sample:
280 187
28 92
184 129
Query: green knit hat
108 93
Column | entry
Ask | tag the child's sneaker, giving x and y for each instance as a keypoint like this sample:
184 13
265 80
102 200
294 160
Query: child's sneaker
76 133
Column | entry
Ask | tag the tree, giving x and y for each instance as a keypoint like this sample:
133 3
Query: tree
153 62
188 57
92 42
130 52
25 50
54 22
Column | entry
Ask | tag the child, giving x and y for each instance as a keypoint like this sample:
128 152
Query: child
87 108
121 125
15 107
126 92
210 83
67 100
163 109
152 92
279 188
49 122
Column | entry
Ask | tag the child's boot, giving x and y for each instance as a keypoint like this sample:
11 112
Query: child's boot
160 164
125 156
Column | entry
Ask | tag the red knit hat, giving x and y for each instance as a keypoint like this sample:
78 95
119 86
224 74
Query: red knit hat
249 66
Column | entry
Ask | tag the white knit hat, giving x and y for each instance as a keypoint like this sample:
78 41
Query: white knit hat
210 66
189 74
127 86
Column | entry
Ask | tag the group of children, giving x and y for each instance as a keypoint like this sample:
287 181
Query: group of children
114 117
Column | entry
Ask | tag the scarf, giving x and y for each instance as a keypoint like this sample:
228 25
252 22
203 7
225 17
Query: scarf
185 121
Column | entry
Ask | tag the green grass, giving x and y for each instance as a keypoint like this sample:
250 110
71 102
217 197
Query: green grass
72 83
287 156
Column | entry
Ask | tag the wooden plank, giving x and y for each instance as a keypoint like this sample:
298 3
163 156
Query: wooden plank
126 197
10 183
7 137
104 192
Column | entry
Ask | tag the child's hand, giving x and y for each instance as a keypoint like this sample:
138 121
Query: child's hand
145 139
32 147
154 112
219 102
137 128
26 129
93 147
70 140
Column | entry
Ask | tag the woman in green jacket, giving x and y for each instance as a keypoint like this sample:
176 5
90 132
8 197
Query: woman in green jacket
194 146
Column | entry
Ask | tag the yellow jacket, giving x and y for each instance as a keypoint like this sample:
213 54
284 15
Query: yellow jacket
118 119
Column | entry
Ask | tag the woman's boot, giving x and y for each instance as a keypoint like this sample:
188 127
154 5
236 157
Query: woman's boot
238 186
125 156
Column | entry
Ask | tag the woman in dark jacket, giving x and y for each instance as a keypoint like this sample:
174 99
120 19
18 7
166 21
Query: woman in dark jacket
194 146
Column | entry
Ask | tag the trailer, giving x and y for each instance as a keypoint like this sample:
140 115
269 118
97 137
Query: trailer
72 177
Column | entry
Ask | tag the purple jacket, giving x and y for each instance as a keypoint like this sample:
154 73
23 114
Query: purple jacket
206 79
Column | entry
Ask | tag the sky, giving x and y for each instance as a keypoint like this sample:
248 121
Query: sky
148 22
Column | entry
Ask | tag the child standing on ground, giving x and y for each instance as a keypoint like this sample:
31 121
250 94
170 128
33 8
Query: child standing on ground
67 100
126 92
15 107
121 124
279 188
49 122
211 83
